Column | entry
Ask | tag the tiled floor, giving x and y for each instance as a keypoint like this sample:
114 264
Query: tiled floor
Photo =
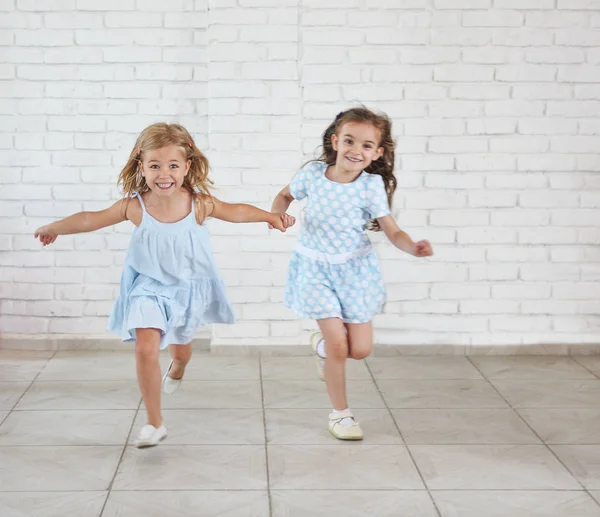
445 437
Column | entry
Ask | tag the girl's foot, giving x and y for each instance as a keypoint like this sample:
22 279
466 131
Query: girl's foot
171 384
343 426
317 344
150 436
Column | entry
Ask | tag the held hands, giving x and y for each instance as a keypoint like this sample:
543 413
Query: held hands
422 249
281 221
46 235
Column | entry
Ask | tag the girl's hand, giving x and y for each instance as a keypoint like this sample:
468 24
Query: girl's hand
46 235
423 249
281 221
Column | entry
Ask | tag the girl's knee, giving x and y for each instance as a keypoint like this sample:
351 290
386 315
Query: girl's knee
337 348
360 353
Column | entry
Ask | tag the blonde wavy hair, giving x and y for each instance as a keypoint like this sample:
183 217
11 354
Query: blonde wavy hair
161 135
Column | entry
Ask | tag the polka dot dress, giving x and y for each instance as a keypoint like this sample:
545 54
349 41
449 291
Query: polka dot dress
334 273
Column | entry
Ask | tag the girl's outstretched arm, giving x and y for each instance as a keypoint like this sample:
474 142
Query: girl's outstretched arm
82 222
242 213
402 240
282 201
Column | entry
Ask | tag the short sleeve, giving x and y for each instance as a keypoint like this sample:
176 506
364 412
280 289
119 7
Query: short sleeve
377 200
301 181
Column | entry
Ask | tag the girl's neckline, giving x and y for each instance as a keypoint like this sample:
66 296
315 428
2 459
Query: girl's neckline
326 168
170 223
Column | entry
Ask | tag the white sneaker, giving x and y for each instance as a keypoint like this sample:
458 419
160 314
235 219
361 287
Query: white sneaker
169 385
150 436
315 339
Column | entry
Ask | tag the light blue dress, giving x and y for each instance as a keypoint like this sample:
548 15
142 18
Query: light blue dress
334 272
170 282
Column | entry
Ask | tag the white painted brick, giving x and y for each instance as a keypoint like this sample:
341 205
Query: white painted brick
24 291
327 74
589 236
542 91
489 307
550 272
455 323
484 162
519 144
540 126
195 20
547 236
426 163
520 254
590 199
461 37
270 71
462 4
556 19
579 74
486 236
421 307
559 307
267 34
17 20
588 162
590 272
577 37
548 162
386 36
436 199
131 91
554 55
44 37
574 144
521 218
520 323
453 181
16 324
442 291
548 199
499 126
525 73
565 181
479 92
522 37
493 18
463 73
576 290
158 5
11 208
525 4
522 291
459 218
487 199
426 92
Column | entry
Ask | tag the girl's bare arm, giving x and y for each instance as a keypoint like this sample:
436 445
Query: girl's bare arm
402 240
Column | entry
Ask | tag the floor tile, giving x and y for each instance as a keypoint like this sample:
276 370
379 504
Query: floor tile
80 365
81 395
183 503
10 392
100 427
434 367
590 362
466 503
564 426
550 394
51 504
342 466
3 415
295 368
530 367
595 495
491 467
346 503
38 469
583 461
463 426
22 365
440 394
215 395
210 426
193 467
309 426
303 394
215 368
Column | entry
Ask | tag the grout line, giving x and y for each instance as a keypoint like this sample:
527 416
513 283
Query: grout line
533 430
262 395
120 458
403 440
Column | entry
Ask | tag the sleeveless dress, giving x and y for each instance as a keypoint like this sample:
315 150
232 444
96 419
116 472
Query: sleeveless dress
170 282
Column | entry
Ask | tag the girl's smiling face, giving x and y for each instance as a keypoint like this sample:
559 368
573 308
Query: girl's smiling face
357 145
164 169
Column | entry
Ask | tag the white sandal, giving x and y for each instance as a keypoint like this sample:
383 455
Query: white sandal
150 436
342 431
169 385
315 339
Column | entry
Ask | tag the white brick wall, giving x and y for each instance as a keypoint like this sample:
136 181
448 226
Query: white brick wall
496 107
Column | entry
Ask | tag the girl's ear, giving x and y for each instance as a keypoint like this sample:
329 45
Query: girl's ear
187 167
334 142
379 153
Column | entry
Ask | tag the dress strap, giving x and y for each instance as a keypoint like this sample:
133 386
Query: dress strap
139 196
